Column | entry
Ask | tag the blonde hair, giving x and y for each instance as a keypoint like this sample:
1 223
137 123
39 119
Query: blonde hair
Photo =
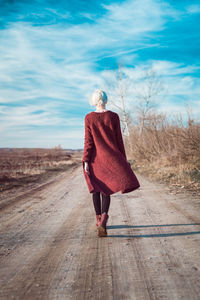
98 98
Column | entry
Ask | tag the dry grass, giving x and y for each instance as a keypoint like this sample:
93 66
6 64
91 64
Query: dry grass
19 166
167 150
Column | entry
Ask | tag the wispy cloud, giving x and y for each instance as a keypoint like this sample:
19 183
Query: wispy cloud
179 87
50 62
193 8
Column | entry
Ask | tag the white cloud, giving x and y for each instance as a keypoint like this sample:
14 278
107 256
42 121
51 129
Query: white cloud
53 68
172 68
179 87
54 57
193 9
138 17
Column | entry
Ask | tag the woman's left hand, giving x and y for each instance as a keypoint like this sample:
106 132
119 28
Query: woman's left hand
86 167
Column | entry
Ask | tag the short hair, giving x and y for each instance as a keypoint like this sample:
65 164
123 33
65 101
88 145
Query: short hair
98 98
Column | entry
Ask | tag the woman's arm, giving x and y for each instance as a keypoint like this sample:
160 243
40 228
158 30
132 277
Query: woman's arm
119 138
86 167
88 143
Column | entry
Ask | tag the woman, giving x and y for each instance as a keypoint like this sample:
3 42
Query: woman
105 166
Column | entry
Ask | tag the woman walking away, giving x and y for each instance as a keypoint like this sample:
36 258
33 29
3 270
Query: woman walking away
105 166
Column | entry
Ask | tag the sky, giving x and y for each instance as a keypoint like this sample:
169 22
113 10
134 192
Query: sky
54 54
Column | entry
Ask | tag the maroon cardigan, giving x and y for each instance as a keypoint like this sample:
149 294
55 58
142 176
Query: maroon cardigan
105 153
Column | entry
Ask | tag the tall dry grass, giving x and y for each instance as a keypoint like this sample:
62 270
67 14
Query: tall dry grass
166 149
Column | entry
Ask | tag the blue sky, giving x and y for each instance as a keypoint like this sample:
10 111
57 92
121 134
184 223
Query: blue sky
53 54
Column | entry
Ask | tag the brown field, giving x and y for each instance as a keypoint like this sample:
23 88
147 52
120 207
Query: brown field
23 166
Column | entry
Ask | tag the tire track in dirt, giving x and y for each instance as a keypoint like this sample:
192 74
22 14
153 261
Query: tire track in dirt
45 258
36 278
166 272
7 202
111 271
55 252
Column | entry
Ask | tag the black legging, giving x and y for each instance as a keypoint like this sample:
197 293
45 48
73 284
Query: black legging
97 203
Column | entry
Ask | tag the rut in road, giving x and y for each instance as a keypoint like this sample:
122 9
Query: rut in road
50 248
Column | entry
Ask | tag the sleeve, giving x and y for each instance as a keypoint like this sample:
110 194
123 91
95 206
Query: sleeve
119 138
88 142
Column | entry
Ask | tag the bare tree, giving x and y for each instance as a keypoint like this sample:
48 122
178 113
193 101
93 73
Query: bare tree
118 88
121 88
151 87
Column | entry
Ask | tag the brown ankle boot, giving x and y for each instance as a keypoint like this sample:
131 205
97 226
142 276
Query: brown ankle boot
102 227
98 217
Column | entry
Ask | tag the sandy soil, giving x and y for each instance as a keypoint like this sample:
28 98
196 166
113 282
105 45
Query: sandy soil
49 247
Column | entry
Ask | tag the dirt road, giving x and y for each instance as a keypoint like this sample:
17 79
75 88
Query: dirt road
49 248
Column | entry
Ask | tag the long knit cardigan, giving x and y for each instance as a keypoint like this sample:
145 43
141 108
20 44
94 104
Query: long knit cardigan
109 170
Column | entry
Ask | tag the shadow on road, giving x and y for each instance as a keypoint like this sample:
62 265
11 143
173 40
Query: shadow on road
151 235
